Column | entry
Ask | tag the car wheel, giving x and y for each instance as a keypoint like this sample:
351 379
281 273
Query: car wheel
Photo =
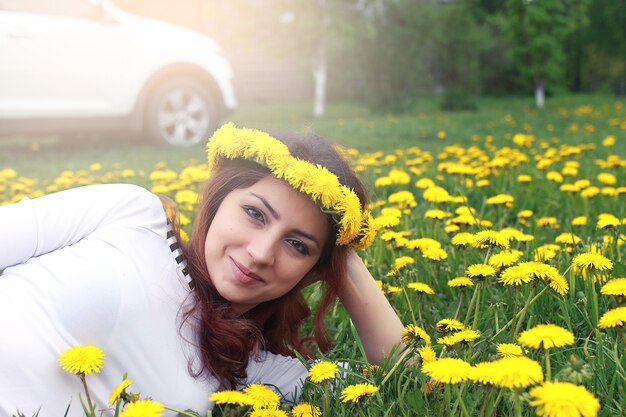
181 112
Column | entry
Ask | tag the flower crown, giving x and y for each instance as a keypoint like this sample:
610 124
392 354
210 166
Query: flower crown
356 226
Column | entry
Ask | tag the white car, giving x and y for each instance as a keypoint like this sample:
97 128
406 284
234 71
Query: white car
81 65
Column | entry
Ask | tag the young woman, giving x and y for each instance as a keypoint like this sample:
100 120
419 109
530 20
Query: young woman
101 265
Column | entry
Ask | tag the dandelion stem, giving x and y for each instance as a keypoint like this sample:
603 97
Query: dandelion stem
517 405
404 354
494 405
408 302
548 367
180 412
463 409
326 399
477 308
84 381
486 401
471 304
446 394
458 307
529 302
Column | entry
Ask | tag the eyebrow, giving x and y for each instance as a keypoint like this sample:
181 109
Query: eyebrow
274 214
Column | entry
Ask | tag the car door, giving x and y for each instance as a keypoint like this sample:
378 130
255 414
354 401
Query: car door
62 58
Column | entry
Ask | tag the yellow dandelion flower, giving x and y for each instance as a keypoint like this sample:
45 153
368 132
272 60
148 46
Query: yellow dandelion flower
460 282
424 244
568 239
463 336
608 141
592 261
262 396
436 214
613 318
616 286
143 408
421 287
323 371
547 221
590 192
82 360
386 221
483 373
558 283
467 219
427 353
606 178
508 350
501 199
463 239
579 221
402 261
488 238
231 397
434 254
424 183
391 211
402 199
606 220
436 194
412 334
444 326
448 370
504 258
268 412
117 392
354 393
558 399
516 275
306 410
320 186
554 176
480 271
369 370
451 228
524 178
391 289
517 372
525 214
546 336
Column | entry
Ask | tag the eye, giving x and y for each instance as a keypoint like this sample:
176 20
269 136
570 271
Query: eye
299 246
254 214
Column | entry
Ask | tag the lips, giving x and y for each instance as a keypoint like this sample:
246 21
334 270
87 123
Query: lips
243 274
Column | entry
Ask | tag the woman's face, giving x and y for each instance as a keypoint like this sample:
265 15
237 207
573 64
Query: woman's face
263 240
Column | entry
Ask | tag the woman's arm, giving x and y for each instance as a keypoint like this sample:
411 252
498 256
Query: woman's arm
379 327
35 227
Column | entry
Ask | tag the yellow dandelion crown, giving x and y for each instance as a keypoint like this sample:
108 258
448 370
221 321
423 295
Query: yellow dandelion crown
356 226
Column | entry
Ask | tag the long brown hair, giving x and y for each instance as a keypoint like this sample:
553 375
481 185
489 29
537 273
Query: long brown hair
225 342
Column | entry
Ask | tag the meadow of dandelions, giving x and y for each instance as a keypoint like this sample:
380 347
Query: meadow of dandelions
504 259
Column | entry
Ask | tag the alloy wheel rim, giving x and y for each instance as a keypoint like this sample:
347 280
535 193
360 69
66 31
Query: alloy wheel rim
182 117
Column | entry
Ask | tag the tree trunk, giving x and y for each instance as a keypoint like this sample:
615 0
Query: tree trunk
320 65
540 94
319 78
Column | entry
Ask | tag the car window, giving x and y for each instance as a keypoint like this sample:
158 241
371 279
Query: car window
71 8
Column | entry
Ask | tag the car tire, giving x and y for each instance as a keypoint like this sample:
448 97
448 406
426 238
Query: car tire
180 112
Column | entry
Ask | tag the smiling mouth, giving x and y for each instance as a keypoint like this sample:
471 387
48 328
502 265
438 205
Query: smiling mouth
245 272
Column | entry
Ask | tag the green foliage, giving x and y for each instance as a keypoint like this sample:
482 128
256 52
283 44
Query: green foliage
416 47
536 32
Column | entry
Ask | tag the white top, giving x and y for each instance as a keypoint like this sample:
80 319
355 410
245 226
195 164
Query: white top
93 266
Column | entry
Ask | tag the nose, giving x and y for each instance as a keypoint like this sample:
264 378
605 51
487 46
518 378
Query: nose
262 248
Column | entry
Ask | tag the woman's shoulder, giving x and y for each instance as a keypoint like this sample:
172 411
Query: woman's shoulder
116 203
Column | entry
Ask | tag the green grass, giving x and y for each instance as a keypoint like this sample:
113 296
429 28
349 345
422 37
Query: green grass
498 312
345 123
